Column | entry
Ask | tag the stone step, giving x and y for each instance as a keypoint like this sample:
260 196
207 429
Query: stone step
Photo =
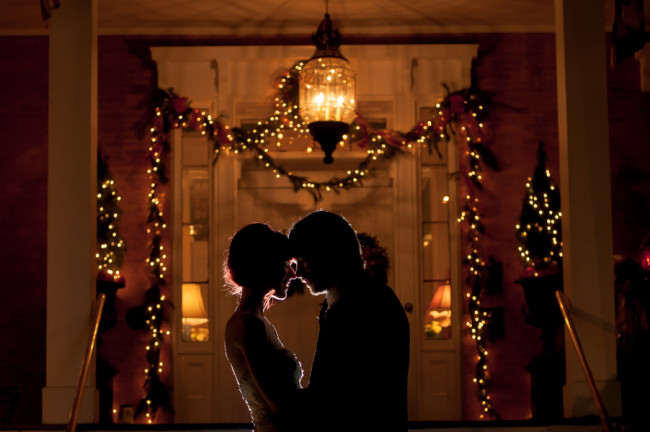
587 424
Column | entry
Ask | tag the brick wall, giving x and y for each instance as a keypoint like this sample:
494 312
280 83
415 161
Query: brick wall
520 71
23 216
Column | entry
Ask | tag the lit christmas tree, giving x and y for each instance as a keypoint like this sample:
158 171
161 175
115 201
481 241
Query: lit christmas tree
110 245
109 255
539 231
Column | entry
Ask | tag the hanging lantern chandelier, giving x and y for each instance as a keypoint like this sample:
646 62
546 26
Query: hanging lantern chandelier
327 90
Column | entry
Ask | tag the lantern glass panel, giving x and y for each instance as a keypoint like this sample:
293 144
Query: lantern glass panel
327 90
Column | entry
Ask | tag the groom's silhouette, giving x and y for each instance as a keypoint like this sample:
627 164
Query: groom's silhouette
359 376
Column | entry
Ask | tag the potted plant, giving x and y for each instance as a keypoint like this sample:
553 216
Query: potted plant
539 238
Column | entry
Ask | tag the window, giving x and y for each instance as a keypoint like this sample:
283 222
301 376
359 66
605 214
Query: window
194 191
435 241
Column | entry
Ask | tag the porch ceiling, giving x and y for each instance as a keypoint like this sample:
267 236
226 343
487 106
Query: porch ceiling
299 17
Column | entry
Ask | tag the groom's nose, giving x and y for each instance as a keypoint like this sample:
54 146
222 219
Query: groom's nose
301 268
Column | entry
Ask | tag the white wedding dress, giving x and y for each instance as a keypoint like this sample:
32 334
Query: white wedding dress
287 367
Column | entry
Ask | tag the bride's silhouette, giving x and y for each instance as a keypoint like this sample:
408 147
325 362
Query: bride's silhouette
258 269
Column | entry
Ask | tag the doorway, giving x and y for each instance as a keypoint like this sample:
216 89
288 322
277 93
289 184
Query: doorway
393 206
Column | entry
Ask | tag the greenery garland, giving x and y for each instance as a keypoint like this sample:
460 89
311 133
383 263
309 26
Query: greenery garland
460 114
462 110
477 156
157 394
374 256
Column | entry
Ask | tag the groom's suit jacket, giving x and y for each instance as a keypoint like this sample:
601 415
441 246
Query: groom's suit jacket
360 372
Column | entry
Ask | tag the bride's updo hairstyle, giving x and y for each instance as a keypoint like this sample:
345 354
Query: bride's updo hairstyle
256 258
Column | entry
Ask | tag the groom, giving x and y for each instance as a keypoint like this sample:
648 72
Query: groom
360 371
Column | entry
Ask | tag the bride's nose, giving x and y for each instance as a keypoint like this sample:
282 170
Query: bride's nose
300 267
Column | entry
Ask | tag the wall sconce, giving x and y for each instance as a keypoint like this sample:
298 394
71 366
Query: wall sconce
327 90
437 320
194 314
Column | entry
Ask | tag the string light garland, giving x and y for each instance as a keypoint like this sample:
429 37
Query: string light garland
467 111
110 244
157 394
173 111
380 145
460 114
539 231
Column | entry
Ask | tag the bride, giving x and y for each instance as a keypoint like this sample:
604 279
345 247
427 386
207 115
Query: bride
258 269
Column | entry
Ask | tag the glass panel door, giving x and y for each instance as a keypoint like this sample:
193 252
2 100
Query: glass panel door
436 288
195 198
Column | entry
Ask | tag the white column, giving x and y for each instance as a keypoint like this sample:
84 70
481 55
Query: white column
71 213
586 201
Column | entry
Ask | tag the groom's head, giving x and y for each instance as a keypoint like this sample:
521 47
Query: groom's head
327 249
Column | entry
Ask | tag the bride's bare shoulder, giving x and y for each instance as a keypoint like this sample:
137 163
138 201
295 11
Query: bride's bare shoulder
243 325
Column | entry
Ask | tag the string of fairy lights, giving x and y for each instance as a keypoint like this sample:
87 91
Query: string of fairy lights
539 231
157 394
268 136
110 244
460 114
285 119
476 324
477 155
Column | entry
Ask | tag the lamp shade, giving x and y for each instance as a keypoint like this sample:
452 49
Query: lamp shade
437 320
441 298
192 301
